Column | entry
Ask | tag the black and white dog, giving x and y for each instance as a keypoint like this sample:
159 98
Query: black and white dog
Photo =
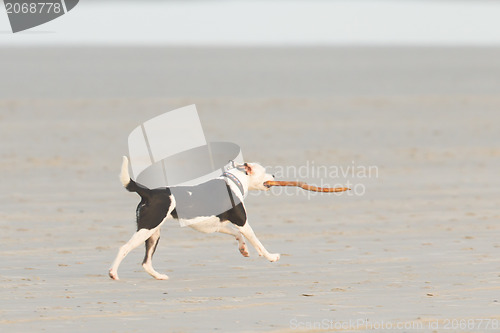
188 203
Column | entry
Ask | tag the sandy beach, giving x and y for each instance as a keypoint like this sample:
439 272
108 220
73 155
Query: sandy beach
417 249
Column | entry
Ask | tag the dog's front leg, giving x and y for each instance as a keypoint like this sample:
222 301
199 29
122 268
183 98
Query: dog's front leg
226 229
247 231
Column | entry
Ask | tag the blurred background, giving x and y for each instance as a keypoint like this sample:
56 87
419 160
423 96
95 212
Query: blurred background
275 22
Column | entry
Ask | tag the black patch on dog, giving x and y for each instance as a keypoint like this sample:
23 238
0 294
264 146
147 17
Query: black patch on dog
153 208
235 215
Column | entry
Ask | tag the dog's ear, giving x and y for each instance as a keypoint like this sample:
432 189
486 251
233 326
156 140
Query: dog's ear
241 167
248 168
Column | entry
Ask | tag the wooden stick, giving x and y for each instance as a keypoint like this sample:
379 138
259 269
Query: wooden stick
305 186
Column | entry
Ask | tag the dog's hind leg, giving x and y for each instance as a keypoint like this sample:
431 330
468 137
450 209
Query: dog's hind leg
226 229
138 238
247 231
151 244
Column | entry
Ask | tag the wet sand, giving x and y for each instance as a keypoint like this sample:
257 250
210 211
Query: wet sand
419 247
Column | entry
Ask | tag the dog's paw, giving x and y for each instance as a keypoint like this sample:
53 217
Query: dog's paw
113 275
273 257
244 251
161 277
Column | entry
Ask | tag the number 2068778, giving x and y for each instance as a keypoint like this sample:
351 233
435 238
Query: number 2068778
33 8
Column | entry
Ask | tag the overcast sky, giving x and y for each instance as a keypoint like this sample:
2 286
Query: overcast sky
265 22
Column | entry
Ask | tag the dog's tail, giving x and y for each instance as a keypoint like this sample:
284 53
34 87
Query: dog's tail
130 184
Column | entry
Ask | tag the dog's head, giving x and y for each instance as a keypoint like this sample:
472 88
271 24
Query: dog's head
256 176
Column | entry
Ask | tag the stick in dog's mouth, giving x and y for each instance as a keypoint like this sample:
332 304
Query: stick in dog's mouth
305 186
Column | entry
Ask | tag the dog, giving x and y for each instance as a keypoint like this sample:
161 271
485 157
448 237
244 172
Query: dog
189 204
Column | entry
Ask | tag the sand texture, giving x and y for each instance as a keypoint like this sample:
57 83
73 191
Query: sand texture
421 245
